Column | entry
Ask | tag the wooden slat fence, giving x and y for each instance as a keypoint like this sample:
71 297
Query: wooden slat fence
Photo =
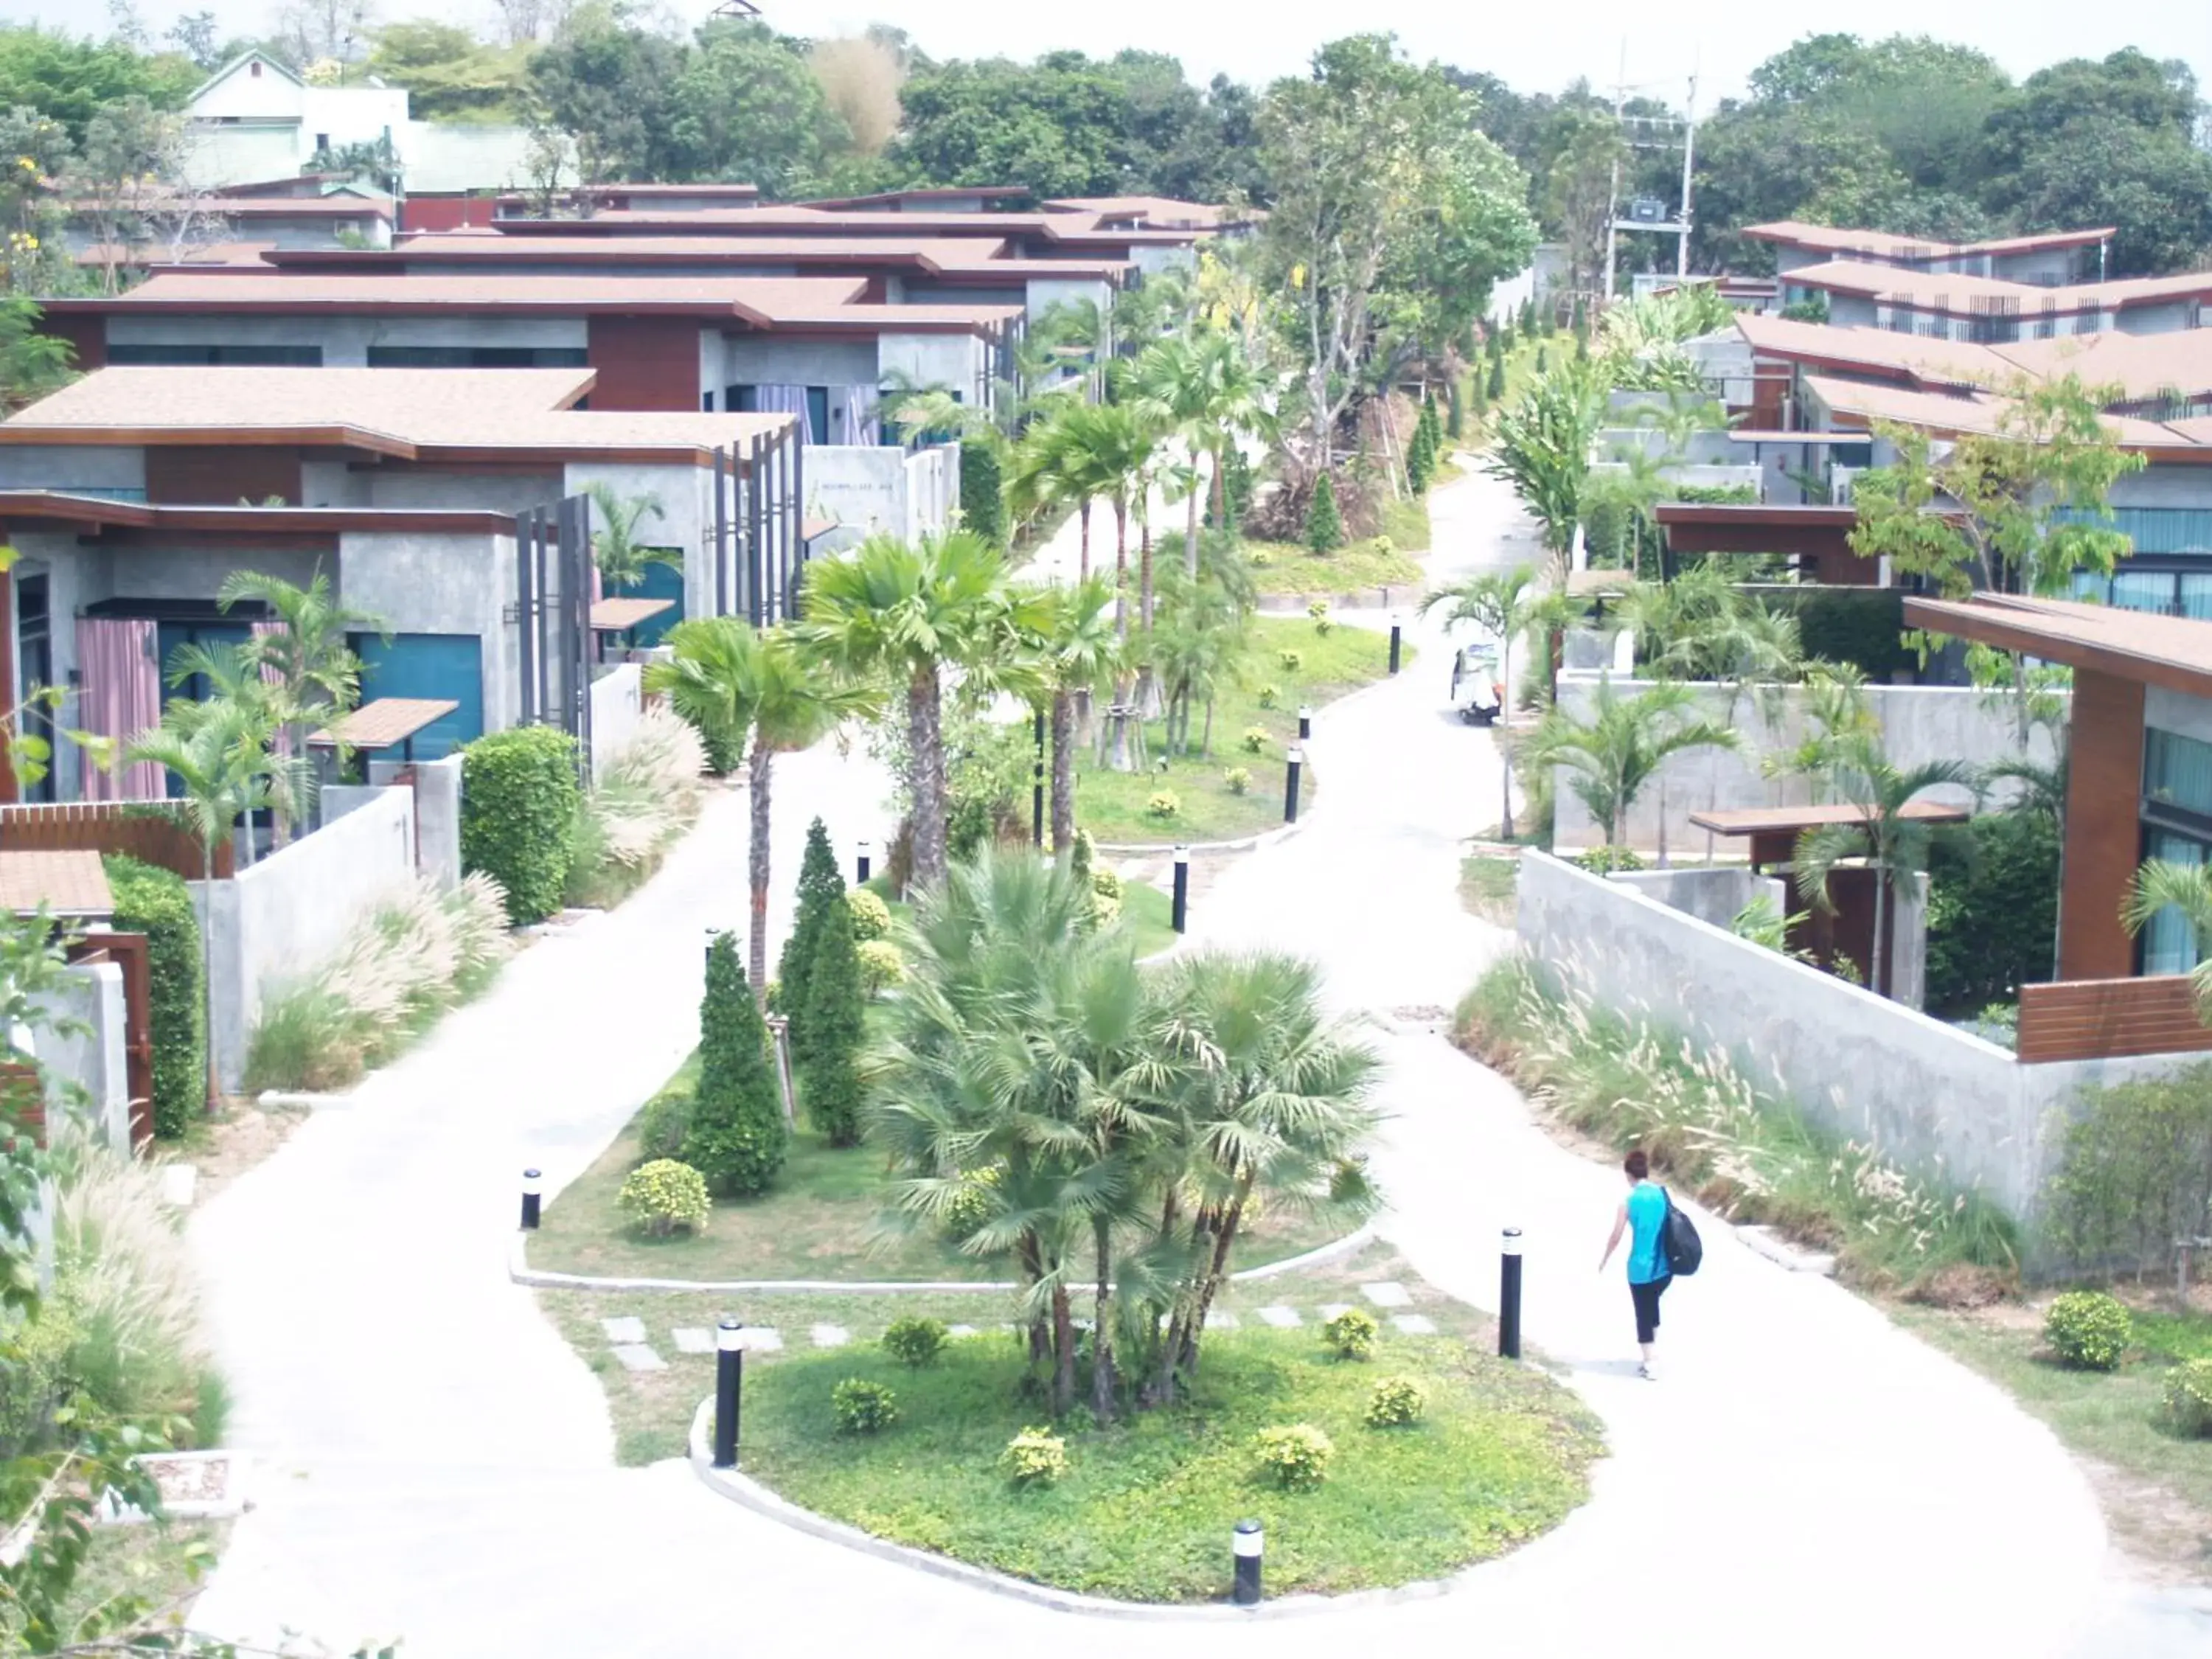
134 827
2107 1019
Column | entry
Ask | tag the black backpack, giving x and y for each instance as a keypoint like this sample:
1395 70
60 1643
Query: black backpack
1679 1242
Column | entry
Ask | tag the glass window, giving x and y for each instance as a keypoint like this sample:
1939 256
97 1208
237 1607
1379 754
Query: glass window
2177 771
195 356
2144 590
2197 596
478 357
2169 943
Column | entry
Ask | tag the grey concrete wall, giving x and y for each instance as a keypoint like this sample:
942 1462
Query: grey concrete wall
93 1058
1716 897
1919 723
961 361
2178 713
779 360
908 494
278 919
428 582
437 814
2160 486
63 466
1939 1103
616 702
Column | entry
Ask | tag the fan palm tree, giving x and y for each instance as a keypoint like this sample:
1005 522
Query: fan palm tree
1622 745
219 756
722 675
1889 840
1264 1096
1507 605
616 550
1080 652
1201 387
2187 889
897 616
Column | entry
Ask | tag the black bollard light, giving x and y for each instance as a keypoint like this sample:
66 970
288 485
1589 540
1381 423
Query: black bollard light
1296 758
713 934
533 1187
1305 723
1181 888
1397 628
1248 1544
1509 1297
860 863
729 1375
1037 787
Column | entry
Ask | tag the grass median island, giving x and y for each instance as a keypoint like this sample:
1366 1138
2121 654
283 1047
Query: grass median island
1262 692
1281 568
1145 1508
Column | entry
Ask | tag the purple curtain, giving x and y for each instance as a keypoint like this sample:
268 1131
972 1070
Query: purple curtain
859 409
777 399
120 697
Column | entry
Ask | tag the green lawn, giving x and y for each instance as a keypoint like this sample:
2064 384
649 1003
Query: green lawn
1487 883
1114 805
823 1220
164 1564
2109 1416
1287 567
1146 1506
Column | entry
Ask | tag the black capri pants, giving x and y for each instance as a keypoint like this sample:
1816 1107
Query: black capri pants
1646 1298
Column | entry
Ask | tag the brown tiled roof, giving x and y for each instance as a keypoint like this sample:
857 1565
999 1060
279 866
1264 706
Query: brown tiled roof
1842 239
1161 211
381 724
2142 365
461 247
924 193
1951 362
892 319
1977 413
62 884
2174 652
159 255
1956 293
1789 820
753 298
618 615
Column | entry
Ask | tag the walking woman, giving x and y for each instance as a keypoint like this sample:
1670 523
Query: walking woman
1643 1216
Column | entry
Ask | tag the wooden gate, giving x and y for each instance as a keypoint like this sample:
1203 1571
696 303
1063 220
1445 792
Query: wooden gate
128 953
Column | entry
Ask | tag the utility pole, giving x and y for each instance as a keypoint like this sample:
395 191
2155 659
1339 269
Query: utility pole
1613 193
1689 162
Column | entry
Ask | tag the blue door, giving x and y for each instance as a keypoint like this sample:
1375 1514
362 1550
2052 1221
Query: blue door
447 665
659 581
167 636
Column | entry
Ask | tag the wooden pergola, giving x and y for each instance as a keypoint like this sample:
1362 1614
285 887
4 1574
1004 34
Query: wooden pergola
383 723
1773 831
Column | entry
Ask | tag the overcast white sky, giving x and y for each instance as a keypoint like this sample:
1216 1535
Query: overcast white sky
1534 46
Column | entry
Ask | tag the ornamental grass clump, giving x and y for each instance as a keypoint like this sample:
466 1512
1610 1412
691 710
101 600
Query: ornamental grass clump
863 1407
1295 1457
661 1196
2088 1329
648 794
1350 1334
1035 1457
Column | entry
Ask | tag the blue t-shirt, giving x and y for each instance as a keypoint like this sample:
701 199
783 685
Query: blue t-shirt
1647 1219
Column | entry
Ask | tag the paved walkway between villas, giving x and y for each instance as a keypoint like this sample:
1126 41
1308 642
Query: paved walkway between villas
1805 1478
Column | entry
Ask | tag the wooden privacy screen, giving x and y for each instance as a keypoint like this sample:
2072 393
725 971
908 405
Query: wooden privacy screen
111 826
2106 1018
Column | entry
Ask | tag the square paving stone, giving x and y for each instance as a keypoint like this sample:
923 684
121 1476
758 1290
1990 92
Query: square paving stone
693 1339
638 1357
1331 1310
762 1339
832 1336
1282 1319
1414 1324
624 1330
1387 1293
1216 1320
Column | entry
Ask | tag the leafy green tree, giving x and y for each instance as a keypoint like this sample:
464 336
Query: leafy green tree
32 364
612 87
1622 745
1202 387
894 616
747 106
982 490
736 1138
722 675
1324 524
1897 846
821 893
449 73
617 547
1058 464
71 78
836 1005
1078 650
1540 443
1507 606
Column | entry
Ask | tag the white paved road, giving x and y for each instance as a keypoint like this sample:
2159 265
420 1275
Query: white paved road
1806 1479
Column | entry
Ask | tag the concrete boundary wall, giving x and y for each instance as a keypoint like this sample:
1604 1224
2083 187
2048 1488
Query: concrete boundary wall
618 700
275 920
90 997
1938 1101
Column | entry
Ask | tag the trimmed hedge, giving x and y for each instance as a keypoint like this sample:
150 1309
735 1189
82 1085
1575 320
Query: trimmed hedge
983 493
1861 625
156 902
519 797
1992 910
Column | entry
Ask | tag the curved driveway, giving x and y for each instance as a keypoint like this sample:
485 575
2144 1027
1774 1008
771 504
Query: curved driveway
1806 1479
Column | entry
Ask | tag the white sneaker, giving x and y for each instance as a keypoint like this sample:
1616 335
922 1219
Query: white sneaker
1648 1371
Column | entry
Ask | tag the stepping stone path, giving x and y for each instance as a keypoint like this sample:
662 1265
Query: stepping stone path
1282 1319
762 1339
1414 1324
693 1339
1330 1310
638 1357
1218 1320
624 1330
832 1336
1387 1293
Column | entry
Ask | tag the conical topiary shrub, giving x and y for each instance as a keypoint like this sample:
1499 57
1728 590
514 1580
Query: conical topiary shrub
821 890
1324 524
736 1138
836 1002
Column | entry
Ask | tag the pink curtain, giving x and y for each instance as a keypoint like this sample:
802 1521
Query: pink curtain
859 409
271 674
777 399
120 697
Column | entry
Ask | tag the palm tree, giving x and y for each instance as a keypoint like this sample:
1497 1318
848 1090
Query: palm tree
2187 889
1540 445
1199 644
1049 469
1506 604
219 756
723 674
1623 745
1835 706
914 408
1264 1096
895 615
237 682
1890 841
1080 652
618 552
1203 388
1113 445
